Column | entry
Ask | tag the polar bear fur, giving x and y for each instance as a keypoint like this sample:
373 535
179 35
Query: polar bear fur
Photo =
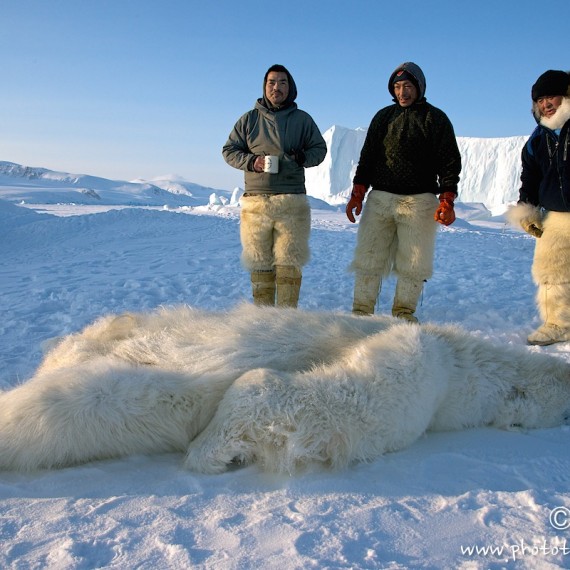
280 387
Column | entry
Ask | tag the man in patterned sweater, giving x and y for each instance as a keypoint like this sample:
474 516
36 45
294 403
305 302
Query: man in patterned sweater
410 156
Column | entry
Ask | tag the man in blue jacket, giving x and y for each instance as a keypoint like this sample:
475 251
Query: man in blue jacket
543 209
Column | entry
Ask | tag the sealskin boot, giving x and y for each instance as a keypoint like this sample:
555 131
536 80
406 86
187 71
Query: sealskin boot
553 302
548 333
406 298
366 291
263 287
288 280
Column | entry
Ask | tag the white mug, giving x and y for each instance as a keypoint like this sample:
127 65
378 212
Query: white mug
271 164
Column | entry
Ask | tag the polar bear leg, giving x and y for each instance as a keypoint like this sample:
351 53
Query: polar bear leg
101 410
230 435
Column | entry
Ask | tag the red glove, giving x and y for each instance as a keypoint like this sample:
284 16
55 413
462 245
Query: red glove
445 214
356 199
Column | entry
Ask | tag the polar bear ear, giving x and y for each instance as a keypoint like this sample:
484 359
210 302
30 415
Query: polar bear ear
119 328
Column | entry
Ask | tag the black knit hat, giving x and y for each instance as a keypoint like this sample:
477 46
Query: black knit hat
551 83
404 75
412 72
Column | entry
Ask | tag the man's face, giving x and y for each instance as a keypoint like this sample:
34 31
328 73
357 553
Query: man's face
405 92
277 87
548 105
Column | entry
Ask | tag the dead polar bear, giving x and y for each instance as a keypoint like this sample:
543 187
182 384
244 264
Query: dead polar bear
282 387
149 383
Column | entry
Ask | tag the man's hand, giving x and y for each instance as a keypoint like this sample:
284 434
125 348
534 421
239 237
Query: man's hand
298 156
528 216
532 226
259 164
355 202
445 214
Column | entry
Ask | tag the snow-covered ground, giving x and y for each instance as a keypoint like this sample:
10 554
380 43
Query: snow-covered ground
477 499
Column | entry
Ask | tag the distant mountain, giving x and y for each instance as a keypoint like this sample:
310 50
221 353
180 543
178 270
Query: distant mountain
33 185
42 186
490 174
178 185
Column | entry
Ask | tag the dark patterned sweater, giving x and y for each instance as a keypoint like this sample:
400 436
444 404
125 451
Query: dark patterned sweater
410 150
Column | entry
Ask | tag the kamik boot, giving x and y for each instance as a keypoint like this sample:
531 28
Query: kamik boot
366 291
408 292
263 287
288 281
554 307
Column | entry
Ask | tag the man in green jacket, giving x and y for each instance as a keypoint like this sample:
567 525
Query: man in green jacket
275 214
410 155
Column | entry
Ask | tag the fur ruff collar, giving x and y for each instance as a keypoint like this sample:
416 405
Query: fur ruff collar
559 118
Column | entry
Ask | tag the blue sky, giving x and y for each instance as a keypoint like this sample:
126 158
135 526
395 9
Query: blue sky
142 88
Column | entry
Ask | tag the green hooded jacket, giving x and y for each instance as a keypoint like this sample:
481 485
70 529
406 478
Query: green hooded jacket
283 132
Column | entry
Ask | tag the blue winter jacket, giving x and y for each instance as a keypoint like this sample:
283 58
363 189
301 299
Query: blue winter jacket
546 169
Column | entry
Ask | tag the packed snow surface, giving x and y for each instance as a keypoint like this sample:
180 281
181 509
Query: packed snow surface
478 499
